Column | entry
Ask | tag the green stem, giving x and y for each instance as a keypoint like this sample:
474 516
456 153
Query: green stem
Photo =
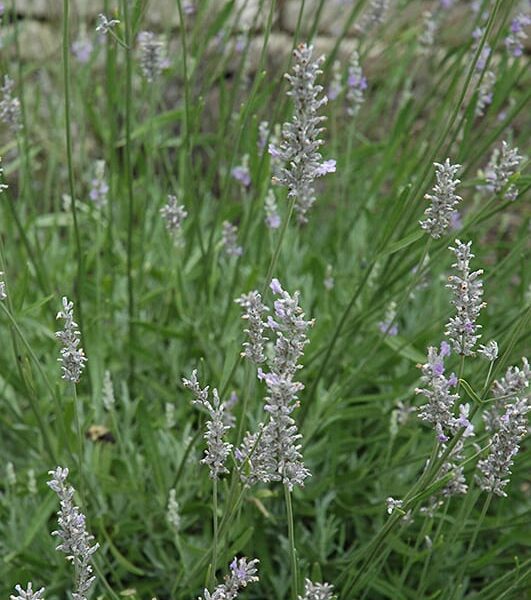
79 432
292 549
70 165
215 526
130 198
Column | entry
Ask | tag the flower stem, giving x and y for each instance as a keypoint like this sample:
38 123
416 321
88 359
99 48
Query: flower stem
215 526
292 549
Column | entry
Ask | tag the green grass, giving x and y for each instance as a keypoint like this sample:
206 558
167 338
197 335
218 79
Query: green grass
151 311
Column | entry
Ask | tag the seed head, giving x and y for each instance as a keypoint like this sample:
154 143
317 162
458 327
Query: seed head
254 311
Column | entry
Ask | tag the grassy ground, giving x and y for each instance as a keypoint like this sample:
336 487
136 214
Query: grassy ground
150 310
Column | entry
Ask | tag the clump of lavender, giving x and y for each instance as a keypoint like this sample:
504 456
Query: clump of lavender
298 151
388 325
512 386
218 449
317 591
467 289
241 172
151 55
277 451
10 110
503 164
76 542
495 469
28 593
99 188
437 389
356 85
443 199
272 218
514 42
242 572
229 239
105 25
254 312
72 358
174 214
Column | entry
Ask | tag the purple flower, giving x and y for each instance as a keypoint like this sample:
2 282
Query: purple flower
241 172
82 50
514 42
356 83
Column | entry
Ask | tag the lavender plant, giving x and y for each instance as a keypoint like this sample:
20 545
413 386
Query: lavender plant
28 593
242 573
73 358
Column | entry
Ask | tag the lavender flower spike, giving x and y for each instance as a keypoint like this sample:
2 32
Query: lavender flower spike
443 199
229 239
3 292
299 149
437 389
503 164
73 358
514 42
495 468
28 593
356 85
174 214
317 591
218 449
254 309
511 387
242 573
76 542
105 25
467 289
151 58
10 109
277 455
